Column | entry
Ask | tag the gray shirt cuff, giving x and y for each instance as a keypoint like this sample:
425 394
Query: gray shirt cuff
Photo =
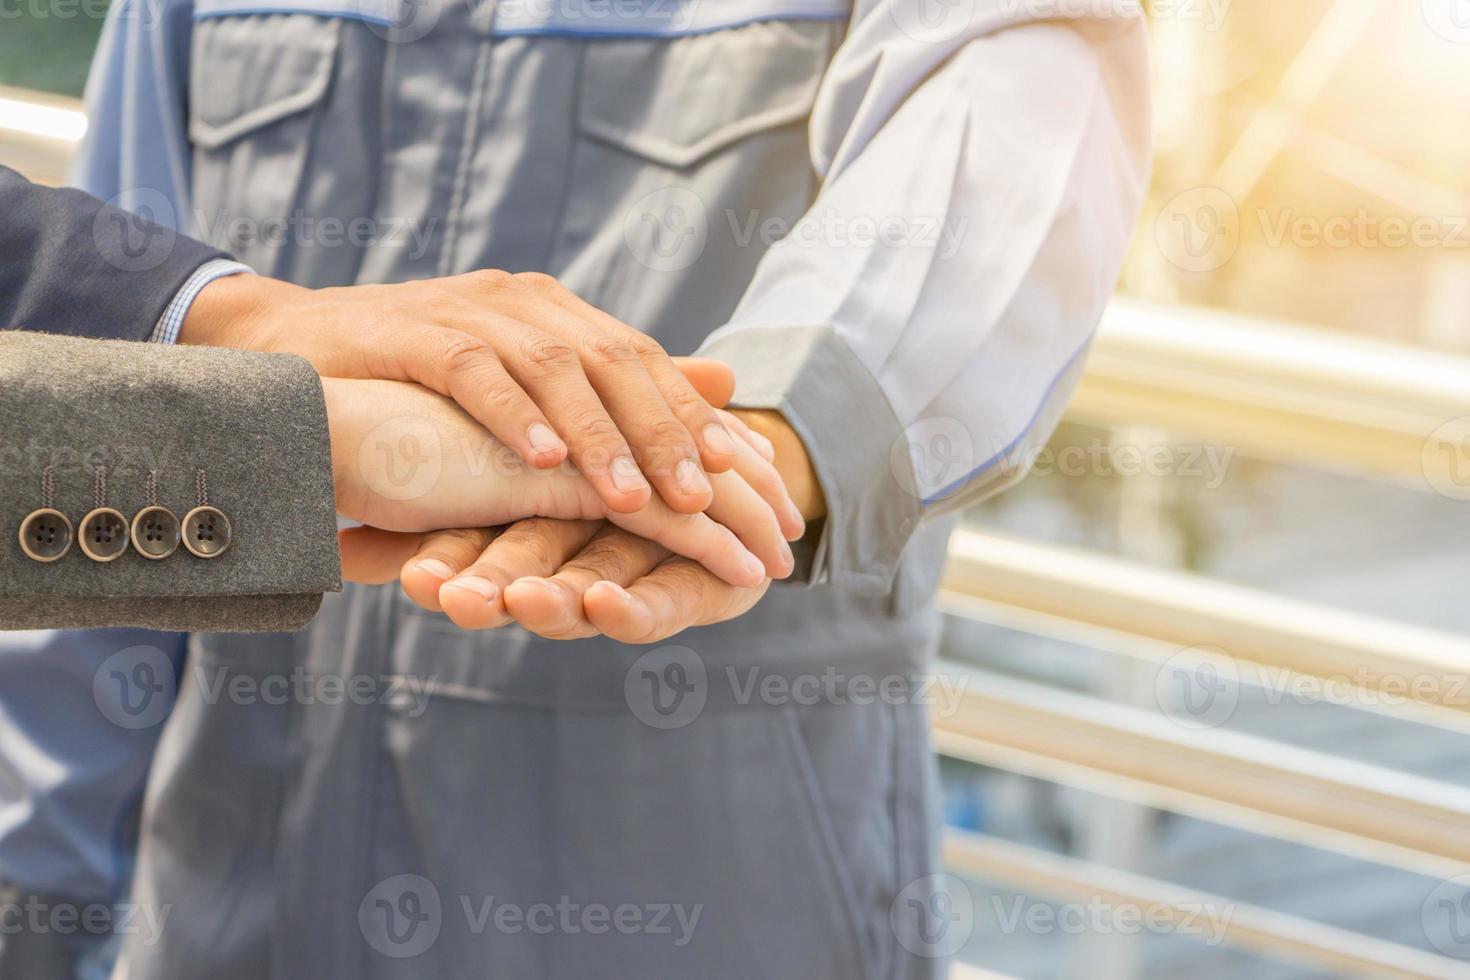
851 432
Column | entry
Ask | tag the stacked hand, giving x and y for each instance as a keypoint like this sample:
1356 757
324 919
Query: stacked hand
458 406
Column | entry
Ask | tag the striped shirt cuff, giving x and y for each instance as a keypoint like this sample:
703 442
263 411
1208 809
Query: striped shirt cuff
166 331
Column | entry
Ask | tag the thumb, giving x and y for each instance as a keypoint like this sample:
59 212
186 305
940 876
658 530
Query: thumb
713 379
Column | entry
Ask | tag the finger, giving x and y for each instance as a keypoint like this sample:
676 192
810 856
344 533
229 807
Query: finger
740 509
552 606
660 440
553 373
753 438
549 372
766 480
714 380
676 595
716 444
464 366
475 598
440 556
698 537
672 428
374 557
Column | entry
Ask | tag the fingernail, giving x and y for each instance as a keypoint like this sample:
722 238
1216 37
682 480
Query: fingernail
766 447
626 476
718 439
787 555
620 592
755 566
543 440
690 478
435 567
544 585
793 514
482 587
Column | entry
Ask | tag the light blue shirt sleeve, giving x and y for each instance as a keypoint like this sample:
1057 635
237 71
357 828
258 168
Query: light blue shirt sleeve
135 153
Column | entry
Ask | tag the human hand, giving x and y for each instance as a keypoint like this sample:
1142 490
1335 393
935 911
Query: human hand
570 579
406 459
562 580
547 374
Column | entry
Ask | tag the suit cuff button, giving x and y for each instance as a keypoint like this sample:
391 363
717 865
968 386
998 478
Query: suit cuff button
207 532
45 535
104 534
155 533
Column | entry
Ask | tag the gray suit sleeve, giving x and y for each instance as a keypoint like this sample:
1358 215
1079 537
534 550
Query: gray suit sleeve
105 415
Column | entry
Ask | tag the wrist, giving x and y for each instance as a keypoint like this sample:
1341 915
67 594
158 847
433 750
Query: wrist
234 311
792 461
344 439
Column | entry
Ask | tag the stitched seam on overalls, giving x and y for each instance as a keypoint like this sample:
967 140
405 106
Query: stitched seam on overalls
460 189
573 147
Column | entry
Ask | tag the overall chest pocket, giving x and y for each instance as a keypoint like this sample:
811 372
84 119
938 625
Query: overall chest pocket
681 143
255 81
676 102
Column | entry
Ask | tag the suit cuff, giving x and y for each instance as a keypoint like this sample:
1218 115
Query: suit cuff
837 407
166 330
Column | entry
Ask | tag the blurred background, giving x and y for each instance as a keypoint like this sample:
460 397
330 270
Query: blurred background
1209 665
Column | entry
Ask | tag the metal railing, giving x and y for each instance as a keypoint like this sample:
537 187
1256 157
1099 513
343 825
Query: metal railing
1282 391
1213 918
1277 391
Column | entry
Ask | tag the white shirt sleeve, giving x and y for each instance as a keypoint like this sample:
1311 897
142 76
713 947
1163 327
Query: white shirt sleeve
923 325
